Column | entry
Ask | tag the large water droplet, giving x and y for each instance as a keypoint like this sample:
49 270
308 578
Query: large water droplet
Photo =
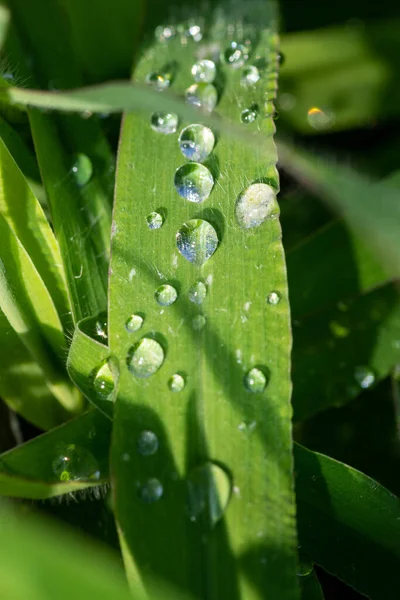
163 122
74 463
203 95
82 169
147 443
236 55
196 142
103 381
320 119
166 295
250 76
209 492
134 323
248 115
204 71
151 491
255 381
145 358
193 182
255 205
154 220
159 81
198 322
176 383
274 298
364 376
197 241
197 292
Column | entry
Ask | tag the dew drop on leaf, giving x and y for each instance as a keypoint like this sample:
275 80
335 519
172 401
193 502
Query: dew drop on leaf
203 95
151 491
103 383
364 376
194 32
204 71
82 169
209 493
159 81
163 122
248 115
134 323
176 383
197 241
101 328
236 55
198 322
250 76
166 295
197 292
196 142
255 381
274 298
147 443
193 182
145 358
256 204
74 463
154 220
165 33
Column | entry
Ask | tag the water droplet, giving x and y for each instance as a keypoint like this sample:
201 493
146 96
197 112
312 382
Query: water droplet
364 376
145 358
193 182
196 142
197 292
101 328
250 76
197 241
154 220
209 493
147 443
82 169
198 322
320 119
163 122
339 330
194 32
176 383
204 71
159 81
305 566
164 34
274 298
151 491
203 95
134 323
166 295
103 381
255 205
287 102
248 115
236 55
255 381
74 463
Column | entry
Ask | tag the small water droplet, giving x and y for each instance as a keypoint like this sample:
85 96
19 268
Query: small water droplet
159 81
274 298
193 182
320 119
151 491
194 32
101 328
197 241
255 381
134 323
145 358
82 169
203 95
209 493
204 71
198 322
197 292
163 122
103 381
250 76
255 205
248 115
196 142
154 220
166 295
364 376
74 463
176 383
165 33
147 443
236 55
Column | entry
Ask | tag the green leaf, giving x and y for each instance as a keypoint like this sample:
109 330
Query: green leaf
310 587
348 524
214 418
4 22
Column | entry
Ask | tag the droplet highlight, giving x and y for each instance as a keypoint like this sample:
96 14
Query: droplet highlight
209 493
196 142
236 55
165 123
364 376
147 443
134 323
255 381
103 383
203 95
145 358
74 463
256 204
197 292
248 115
176 383
151 491
274 298
204 71
154 220
166 295
197 241
158 81
82 169
320 119
193 182
250 76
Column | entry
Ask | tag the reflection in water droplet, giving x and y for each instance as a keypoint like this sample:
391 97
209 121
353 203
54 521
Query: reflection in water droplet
196 142
158 80
145 358
364 376
194 32
255 204
198 322
101 328
305 566
250 76
209 492
154 220
236 55
134 323
165 123
203 95
197 241
319 119
147 443
197 292
176 383
248 115
103 381
164 34
193 182
204 71
82 169
74 463
255 381
151 491
274 298
166 295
